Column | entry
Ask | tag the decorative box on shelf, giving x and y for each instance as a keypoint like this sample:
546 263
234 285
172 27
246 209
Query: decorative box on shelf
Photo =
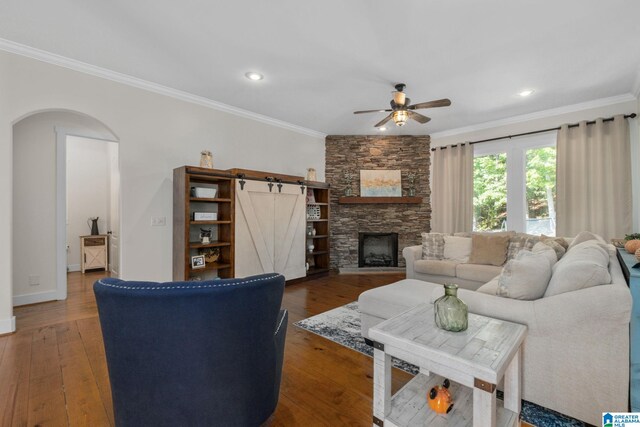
203 192
205 216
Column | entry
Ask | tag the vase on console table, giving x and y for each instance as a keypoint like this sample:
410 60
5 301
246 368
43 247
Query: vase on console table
451 313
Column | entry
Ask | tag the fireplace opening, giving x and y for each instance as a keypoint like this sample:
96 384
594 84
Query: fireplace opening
377 249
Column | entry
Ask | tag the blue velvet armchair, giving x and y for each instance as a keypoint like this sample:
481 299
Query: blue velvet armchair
203 353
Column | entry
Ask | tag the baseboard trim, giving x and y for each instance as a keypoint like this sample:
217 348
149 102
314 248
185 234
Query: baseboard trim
35 298
73 267
8 326
372 270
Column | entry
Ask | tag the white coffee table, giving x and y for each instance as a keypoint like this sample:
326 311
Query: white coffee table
474 361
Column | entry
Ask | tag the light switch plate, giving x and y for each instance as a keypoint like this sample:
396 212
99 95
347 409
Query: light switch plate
158 221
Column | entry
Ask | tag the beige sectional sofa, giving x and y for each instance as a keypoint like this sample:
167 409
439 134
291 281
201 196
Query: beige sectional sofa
465 275
576 354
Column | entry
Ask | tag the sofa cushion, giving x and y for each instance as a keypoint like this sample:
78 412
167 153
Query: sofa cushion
477 272
584 266
457 248
490 249
432 266
387 301
526 277
432 245
585 236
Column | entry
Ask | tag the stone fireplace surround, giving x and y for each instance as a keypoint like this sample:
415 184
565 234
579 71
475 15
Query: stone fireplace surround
356 152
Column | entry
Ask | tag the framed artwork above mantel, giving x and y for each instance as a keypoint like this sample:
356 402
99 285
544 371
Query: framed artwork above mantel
380 183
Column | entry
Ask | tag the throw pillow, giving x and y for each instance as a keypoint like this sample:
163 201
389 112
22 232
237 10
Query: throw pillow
432 245
526 277
489 249
489 288
547 251
584 266
519 242
462 234
560 240
585 236
557 247
457 248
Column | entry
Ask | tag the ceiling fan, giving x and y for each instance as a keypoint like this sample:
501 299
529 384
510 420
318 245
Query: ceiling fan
401 110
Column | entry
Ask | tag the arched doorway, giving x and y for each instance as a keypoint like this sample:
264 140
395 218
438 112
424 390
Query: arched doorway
40 214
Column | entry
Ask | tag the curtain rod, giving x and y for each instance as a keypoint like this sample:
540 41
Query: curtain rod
626 116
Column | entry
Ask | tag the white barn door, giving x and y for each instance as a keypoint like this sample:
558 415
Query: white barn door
269 230
290 222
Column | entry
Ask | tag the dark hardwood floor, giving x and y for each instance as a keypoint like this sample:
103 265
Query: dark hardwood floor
53 370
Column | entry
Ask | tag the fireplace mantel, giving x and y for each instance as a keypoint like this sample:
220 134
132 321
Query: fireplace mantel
385 200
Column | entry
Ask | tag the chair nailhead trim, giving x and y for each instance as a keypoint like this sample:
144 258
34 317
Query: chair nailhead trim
137 288
280 324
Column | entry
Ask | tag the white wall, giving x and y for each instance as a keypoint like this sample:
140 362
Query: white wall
156 134
622 105
34 201
88 191
114 210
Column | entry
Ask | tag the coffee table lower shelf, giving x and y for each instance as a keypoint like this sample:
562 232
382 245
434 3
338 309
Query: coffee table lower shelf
409 406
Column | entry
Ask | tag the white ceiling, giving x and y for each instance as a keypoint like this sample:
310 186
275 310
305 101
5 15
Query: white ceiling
324 59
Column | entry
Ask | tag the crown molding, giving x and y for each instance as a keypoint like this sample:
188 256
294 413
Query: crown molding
603 102
72 64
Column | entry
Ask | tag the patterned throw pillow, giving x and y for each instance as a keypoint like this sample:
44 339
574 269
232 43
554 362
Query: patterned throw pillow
432 245
556 246
519 242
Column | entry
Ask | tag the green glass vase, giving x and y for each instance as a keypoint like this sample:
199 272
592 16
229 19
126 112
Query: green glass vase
451 313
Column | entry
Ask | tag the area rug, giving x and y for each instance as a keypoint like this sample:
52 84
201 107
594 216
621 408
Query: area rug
342 325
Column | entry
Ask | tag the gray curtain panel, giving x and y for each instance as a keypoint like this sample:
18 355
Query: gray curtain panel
452 189
594 179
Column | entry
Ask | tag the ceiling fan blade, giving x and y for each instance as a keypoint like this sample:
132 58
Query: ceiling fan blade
383 121
419 117
371 111
431 104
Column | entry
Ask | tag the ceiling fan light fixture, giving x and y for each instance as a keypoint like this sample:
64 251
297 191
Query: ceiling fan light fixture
252 75
399 97
400 117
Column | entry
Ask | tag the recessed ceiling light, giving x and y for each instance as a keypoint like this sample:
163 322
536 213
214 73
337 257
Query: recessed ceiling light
526 92
382 128
252 75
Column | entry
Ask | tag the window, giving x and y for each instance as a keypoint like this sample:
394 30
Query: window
514 185
490 192
540 181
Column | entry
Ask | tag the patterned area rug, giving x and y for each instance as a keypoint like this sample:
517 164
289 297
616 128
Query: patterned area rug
342 325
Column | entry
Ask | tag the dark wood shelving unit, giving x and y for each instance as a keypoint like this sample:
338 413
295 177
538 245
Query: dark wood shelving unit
319 258
206 200
198 245
384 200
186 230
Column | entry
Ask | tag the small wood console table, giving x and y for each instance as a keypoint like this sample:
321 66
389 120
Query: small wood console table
474 361
94 252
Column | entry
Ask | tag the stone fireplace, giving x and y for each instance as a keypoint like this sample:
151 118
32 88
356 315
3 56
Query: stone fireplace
352 153
377 249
